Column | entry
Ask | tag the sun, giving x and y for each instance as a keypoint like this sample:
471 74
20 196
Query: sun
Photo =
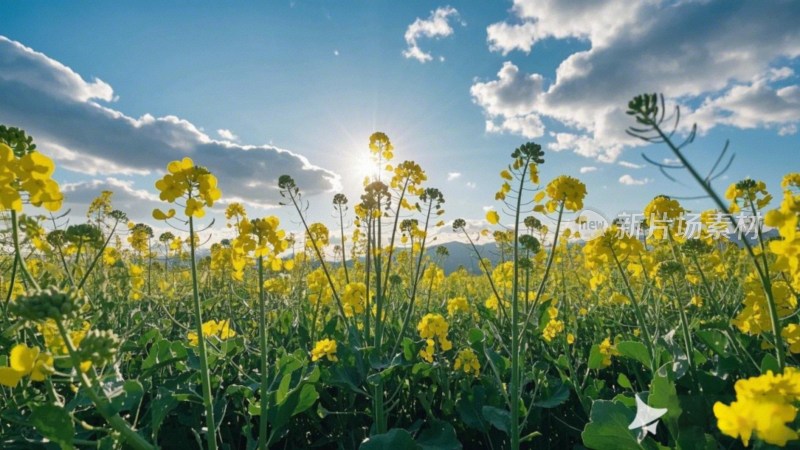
361 166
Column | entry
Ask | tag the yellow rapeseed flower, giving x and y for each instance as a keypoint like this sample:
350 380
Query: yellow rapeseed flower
325 348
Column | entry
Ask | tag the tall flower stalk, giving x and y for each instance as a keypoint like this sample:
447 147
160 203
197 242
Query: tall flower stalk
197 188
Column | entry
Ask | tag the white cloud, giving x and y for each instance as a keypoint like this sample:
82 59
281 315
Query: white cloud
595 21
529 126
509 100
56 106
630 181
437 26
671 161
34 70
227 135
138 204
734 66
471 185
631 165
588 169
750 106
453 175
787 130
336 53
584 146
504 37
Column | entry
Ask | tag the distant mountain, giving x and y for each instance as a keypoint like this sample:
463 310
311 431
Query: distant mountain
462 255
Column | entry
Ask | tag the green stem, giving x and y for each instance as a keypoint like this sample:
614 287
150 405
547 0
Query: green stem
764 277
26 275
97 256
636 310
211 434
262 331
516 390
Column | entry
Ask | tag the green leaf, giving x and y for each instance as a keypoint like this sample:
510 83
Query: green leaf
163 353
283 389
559 396
408 349
664 395
499 418
715 340
439 436
595 358
770 363
469 408
634 350
160 407
608 427
308 395
475 336
394 439
54 423
127 396
623 381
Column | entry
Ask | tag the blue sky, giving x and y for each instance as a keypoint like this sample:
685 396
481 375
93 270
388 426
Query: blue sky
316 78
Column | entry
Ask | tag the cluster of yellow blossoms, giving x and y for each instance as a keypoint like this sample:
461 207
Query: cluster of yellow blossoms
354 298
456 305
567 189
764 405
325 348
26 361
467 362
221 330
747 193
186 180
608 350
613 246
31 173
318 288
554 326
787 219
433 328
754 316
664 214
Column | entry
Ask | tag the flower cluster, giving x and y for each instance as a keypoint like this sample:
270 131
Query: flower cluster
787 220
49 303
754 317
433 328
31 173
186 180
608 350
467 362
325 348
747 193
380 145
99 347
52 338
354 298
26 361
567 189
764 406
221 330
554 326
317 233
410 175
610 247
456 305
664 214
319 290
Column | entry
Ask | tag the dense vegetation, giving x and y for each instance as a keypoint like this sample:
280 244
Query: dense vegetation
113 337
